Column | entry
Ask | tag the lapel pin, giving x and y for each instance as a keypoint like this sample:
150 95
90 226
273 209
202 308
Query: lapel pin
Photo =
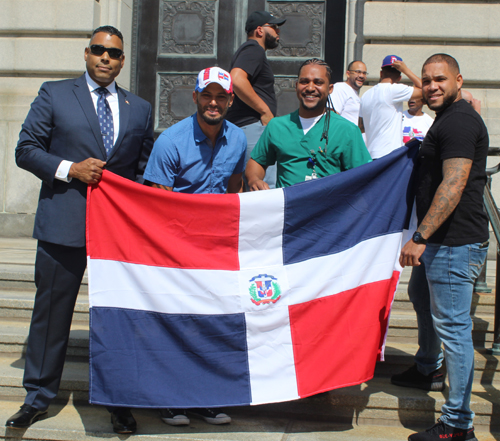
127 102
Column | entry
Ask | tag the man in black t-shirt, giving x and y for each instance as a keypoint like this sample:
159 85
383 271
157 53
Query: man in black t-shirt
255 103
449 247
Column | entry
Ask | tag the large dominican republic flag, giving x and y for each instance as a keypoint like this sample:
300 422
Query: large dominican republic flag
226 300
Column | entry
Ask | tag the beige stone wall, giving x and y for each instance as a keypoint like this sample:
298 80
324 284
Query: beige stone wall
42 40
415 29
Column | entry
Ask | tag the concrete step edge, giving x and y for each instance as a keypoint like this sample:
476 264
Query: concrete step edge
82 421
377 392
86 423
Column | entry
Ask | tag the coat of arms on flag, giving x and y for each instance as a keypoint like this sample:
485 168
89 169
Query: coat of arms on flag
193 296
264 289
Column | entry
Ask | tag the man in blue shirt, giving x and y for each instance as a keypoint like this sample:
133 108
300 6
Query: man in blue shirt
203 153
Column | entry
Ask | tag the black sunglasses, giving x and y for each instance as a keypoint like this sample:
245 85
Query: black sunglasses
99 49
274 26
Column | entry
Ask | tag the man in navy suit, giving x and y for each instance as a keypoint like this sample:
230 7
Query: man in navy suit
74 130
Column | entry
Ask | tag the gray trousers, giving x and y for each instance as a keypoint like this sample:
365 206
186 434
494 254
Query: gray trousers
253 132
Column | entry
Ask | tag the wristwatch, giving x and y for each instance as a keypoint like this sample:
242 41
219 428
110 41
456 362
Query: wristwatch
417 238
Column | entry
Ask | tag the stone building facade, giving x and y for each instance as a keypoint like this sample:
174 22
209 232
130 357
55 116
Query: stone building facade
43 40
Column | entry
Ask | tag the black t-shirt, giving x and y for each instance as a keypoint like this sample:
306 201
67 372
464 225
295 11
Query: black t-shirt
457 132
251 57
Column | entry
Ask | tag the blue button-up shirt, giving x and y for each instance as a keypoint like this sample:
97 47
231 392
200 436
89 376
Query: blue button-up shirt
183 158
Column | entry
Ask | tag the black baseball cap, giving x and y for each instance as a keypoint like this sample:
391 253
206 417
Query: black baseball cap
259 18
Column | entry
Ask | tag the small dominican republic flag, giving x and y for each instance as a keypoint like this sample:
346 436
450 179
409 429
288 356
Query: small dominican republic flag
227 300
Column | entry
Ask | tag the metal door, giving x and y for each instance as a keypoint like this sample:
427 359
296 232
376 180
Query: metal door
176 39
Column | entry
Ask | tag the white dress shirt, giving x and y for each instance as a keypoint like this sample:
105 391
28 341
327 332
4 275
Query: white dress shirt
63 169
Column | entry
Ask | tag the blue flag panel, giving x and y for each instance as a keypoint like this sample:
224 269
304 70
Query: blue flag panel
332 214
135 356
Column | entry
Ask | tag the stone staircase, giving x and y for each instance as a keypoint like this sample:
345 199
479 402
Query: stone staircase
376 410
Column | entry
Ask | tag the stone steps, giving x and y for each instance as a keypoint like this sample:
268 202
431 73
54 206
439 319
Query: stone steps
75 377
14 336
404 323
482 303
399 356
17 303
88 423
399 351
16 306
376 402
21 277
354 413
74 384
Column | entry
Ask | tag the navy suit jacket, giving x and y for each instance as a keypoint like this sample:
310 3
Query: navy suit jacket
62 124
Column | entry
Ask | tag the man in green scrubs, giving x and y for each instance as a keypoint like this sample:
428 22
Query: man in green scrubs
310 143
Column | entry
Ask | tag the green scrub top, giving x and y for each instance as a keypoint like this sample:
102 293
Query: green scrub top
283 142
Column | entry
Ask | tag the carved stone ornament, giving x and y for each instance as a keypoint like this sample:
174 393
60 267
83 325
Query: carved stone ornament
175 98
284 87
188 27
284 84
302 34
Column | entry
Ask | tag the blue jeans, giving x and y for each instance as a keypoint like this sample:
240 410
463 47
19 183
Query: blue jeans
253 132
441 292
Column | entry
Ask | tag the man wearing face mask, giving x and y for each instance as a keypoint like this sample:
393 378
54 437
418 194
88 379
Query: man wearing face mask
253 80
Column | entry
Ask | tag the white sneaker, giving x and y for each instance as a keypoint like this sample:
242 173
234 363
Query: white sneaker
212 416
174 417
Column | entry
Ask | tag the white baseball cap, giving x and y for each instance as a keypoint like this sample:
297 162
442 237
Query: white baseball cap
214 75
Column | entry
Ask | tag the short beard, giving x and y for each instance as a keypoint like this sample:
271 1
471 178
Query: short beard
271 42
447 102
212 121
320 106
355 86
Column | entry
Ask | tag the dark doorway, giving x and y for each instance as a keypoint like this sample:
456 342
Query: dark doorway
176 39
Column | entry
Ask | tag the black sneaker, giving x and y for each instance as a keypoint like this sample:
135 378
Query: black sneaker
413 378
441 431
212 416
174 417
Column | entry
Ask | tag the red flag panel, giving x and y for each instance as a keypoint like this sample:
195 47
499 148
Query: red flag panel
337 339
175 233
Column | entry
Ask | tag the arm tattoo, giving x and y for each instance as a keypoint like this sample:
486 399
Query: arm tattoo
455 174
163 187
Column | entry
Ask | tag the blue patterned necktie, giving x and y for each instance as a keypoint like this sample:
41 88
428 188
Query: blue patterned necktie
105 119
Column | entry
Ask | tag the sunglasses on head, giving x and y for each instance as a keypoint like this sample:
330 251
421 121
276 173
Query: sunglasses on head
99 49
